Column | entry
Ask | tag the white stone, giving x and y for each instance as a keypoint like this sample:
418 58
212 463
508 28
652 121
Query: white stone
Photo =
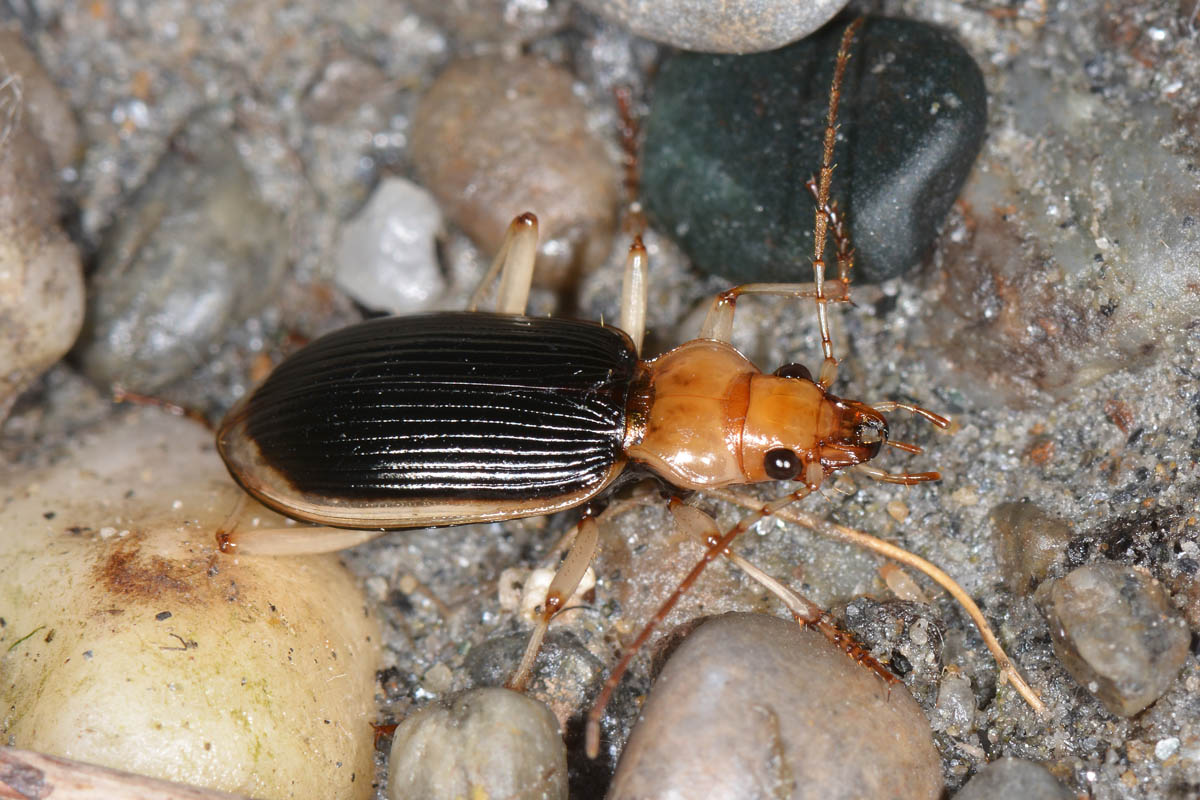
386 254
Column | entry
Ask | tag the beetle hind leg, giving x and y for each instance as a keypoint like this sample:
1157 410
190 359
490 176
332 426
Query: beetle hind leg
514 264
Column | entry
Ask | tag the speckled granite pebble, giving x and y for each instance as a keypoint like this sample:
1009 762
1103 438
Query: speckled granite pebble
730 142
753 706
1116 632
741 26
1014 777
494 138
195 251
491 743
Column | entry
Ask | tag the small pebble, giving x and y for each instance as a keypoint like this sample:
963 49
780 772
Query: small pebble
1030 544
492 22
494 138
484 743
1116 632
731 140
387 254
954 711
740 26
195 251
48 114
753 706
41 278
1014 777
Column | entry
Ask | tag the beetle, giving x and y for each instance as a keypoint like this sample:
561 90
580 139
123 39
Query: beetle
452 418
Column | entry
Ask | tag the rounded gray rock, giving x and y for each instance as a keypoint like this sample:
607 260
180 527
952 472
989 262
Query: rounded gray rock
491 743
1116 632
741 26
753 706
494 138
1014 777
41 277
195 250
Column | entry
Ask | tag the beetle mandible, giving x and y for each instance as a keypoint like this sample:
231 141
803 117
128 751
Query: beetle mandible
453 418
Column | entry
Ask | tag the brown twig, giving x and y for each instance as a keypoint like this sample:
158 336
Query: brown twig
25 774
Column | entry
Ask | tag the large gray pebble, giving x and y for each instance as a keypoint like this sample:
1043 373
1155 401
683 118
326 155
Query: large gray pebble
494 138
740 26
41 278
195 251
1014 777
1116 632
491 743
752 706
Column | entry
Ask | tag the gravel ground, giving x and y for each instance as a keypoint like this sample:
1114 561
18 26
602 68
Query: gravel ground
1002 328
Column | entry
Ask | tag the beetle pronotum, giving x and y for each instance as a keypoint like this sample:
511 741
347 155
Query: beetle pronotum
450 418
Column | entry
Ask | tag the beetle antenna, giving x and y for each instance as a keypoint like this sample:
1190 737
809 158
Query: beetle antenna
630 132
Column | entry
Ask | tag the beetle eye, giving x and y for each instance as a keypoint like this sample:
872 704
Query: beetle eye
781 464
794 371
871 435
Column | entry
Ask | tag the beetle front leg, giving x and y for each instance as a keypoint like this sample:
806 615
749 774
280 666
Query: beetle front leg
514 263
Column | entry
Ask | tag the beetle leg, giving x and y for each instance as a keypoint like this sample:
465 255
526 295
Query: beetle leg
561 588
514 263
715 548
719 322
291 541
825 208
1008 670
690 519
633 294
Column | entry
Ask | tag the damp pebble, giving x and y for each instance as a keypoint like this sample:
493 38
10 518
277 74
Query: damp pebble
731 140
494 138
754 706
1014 777
1030 544
49 116
491 743
387 254
954 711
41 277
740 26
195 251
1116 632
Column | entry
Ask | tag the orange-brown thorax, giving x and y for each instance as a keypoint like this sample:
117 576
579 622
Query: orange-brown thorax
710 418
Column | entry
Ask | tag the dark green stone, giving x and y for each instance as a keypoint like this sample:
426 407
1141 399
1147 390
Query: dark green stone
730 141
